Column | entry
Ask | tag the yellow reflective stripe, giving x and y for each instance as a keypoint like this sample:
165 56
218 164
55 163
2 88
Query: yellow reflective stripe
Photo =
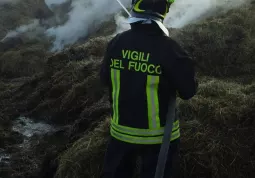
136 7
115 77
175 135
176 125
136 131
142 140
152 101
142 132
167 10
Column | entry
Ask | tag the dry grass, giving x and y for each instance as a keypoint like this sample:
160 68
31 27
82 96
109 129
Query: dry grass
22 62
218 131
87 152
13 15
66 92
67 88
217 136
222 46
217 124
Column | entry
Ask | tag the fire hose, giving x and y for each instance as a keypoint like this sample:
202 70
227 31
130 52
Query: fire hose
166 139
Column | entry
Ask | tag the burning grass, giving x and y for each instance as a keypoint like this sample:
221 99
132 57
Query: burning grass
66 92
217 124
222 46
15 14
217 136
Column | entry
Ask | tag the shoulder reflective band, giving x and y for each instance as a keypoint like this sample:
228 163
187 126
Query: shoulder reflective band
152 101
142 132
142 140
115 78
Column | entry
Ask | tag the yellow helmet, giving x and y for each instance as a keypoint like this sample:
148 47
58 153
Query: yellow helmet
155 9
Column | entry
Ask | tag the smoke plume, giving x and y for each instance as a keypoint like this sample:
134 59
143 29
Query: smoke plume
184 12
51 3
22 29
84 17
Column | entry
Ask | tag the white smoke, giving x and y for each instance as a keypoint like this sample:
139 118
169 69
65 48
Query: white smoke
22 29
184 12
52 3
121 24
85 16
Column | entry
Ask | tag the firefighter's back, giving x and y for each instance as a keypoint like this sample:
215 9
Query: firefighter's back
140 89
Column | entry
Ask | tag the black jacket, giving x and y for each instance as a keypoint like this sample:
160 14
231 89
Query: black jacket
160 56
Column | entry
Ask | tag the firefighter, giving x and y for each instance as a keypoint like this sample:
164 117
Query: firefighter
143 68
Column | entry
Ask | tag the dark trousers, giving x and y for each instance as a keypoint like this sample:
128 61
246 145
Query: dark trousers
120 160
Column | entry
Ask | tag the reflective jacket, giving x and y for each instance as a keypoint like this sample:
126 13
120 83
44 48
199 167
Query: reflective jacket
143 68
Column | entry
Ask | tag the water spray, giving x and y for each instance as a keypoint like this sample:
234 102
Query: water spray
124 8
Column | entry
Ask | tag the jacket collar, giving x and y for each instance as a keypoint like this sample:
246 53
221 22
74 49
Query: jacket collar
132 20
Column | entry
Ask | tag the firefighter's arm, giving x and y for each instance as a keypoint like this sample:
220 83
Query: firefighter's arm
183 74
184 80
